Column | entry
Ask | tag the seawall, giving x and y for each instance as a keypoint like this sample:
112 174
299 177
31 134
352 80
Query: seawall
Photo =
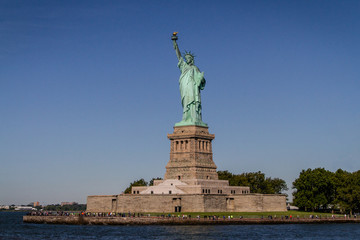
82 220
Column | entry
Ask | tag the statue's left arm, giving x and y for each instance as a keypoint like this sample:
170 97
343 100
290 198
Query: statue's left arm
199 79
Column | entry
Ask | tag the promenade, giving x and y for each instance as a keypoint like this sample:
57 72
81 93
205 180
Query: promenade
145 220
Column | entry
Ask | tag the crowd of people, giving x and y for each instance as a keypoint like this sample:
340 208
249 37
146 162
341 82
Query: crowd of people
178 216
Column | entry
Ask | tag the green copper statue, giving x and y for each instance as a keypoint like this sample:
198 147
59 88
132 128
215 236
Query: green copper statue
191 81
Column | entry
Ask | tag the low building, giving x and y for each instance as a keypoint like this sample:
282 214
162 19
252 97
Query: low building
24 208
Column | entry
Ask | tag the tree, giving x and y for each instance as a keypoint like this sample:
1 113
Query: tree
58 207
52 207
257 182
278 185
140 182
151 183
225 175
347 190
315 189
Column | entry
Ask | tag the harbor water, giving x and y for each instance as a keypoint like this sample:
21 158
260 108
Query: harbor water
12 227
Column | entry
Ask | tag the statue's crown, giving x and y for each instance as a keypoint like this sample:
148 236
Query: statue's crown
189 53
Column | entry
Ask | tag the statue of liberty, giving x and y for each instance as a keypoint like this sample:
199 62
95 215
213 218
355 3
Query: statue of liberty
191 81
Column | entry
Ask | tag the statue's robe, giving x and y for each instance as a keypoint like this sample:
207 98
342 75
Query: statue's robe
191 81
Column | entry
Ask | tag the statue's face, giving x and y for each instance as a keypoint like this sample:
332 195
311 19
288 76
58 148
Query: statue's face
189 59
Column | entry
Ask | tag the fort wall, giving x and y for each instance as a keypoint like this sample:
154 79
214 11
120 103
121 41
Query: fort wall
186 203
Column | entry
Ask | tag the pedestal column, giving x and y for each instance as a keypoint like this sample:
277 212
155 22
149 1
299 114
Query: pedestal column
191 154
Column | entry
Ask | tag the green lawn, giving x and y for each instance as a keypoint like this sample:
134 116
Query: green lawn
250 214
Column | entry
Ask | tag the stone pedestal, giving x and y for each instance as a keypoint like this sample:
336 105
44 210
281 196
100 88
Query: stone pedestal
191 154
191 184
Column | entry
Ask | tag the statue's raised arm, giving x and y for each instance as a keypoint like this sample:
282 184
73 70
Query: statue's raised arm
176 47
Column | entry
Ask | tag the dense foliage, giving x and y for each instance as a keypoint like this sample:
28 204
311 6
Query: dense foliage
320 189
257 182
58 207
137 183
151 183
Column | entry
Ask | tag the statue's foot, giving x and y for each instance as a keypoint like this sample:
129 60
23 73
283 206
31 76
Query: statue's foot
189 123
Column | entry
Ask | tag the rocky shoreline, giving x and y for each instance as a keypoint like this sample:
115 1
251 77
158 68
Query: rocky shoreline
83 220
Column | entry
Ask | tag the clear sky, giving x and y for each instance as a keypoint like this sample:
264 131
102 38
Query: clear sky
89 90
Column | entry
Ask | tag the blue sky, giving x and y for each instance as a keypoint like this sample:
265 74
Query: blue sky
89 90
